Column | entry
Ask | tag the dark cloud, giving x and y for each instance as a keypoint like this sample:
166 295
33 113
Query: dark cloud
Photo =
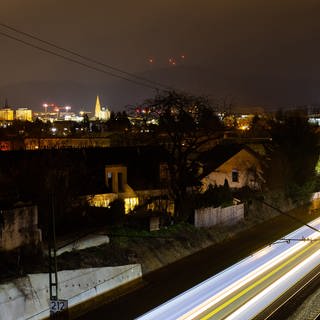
261 52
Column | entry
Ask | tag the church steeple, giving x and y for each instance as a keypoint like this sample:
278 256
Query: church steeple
97 110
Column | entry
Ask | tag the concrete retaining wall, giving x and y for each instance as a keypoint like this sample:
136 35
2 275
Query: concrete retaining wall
19 227
28 297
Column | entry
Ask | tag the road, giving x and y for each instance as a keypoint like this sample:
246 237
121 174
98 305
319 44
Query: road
248 287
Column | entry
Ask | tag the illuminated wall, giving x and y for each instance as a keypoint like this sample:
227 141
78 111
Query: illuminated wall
6 114
130 204
104 200
101 200
104 114
24 114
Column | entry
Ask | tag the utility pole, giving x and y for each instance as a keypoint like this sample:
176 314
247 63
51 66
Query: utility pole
52 251
58 308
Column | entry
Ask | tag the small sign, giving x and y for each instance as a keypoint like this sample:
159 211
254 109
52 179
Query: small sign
58 305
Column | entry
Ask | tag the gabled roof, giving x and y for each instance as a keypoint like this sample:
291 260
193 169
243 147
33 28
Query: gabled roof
220 154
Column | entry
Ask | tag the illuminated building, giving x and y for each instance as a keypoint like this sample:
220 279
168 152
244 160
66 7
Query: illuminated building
97 109
116 181
101 113
6 114
24 114
239 165
105 114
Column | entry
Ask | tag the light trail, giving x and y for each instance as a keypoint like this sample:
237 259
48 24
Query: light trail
282 281
255 284
238 284
238 280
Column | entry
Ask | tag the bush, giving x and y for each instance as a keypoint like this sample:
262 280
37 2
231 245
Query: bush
215 196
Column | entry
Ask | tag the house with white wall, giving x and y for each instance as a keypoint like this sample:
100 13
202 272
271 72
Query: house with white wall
237 164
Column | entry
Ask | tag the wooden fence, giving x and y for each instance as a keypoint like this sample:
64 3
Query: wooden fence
208 217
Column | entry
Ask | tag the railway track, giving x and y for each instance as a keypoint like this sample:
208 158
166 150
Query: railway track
285 306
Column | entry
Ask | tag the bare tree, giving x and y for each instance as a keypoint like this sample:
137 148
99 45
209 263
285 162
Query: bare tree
188 125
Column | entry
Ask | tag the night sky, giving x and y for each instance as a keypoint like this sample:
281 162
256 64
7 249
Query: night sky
262 53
